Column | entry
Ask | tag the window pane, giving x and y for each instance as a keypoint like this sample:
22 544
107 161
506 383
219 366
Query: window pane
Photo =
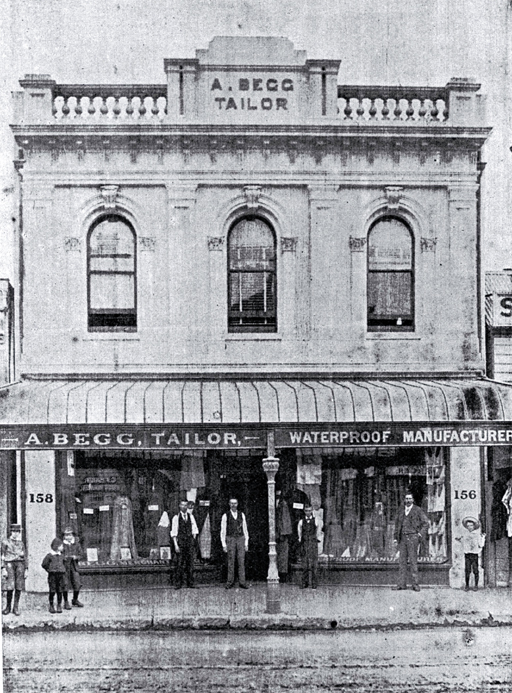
112 237
251 246
390 246
252 292
112 291
111 264
389 294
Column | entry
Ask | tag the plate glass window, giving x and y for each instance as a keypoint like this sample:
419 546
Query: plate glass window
112 276
252 277
390 288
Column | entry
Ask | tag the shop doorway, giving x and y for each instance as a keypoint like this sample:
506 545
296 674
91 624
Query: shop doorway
243 478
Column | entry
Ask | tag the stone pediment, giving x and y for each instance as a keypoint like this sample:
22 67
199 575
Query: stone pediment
251 50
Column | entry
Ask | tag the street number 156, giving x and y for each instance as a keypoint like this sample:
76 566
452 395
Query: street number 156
462 495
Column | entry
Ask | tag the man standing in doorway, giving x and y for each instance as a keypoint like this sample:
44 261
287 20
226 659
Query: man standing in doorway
309 538
235 542
183 533
411 527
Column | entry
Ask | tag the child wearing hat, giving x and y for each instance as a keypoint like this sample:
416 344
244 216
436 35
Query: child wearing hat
72 554
53 563
14 569
472 543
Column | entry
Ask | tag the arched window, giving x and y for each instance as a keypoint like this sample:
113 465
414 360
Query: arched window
390 287
252 277
111 275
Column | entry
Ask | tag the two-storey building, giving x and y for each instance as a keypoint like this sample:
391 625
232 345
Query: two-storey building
250 280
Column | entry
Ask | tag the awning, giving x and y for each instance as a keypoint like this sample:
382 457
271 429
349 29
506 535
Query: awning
225 401
151 410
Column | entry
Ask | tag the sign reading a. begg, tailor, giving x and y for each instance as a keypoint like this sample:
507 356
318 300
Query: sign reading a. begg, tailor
255 436
236 93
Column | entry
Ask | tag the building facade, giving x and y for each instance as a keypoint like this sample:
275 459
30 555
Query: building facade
250 280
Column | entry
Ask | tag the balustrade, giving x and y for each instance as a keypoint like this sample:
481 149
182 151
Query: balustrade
82 103
366 104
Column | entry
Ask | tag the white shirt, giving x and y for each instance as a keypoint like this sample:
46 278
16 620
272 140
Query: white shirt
224 528
175 524
408 509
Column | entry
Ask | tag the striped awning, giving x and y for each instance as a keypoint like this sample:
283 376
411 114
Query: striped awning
251 401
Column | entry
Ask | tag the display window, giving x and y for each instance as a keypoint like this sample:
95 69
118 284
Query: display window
121 504
356 495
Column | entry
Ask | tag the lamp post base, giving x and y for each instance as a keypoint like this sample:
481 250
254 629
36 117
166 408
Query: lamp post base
273 596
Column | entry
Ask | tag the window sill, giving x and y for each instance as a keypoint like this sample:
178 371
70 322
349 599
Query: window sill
109 337
412 336
252 337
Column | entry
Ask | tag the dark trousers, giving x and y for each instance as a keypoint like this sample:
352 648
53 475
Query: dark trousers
236 551
408 548
471 566
185 565
310 563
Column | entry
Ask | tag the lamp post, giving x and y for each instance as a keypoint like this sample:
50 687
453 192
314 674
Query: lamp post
271 466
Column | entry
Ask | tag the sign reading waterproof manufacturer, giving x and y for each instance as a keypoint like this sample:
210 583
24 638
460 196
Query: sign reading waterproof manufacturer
183 437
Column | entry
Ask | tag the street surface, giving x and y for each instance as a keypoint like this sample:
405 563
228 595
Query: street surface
433 660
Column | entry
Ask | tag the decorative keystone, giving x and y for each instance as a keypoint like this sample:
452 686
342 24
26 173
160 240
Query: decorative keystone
109 195
393 196
252 196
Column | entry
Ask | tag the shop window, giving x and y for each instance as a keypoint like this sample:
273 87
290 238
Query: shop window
121 503
357 494
390 286
111 276
252 277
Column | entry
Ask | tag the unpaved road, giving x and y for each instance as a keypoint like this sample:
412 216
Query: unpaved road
431 661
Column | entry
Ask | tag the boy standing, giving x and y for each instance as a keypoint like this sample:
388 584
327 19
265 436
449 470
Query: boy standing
472 544
53 563
72 554
14 569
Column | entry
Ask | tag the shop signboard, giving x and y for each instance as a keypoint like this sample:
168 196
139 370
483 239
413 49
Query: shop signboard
233 437
502 310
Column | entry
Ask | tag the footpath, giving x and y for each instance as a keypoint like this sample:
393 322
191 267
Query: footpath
210 607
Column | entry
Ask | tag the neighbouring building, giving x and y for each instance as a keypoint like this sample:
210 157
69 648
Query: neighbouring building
498 318
250 280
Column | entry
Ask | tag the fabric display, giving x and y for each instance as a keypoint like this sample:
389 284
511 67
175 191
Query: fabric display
284 531
205 540
318 514
437 538
123 536
507 502
499 515
192 472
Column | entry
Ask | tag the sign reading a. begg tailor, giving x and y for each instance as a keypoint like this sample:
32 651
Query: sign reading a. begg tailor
232 437
235 93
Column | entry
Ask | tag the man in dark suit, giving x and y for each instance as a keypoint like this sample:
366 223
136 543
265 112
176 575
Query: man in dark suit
183 533
411 527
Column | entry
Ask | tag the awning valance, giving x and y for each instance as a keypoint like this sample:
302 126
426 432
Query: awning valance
257 401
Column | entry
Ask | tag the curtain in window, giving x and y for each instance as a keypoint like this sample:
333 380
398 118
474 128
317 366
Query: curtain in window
390 275
252 276
112 274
